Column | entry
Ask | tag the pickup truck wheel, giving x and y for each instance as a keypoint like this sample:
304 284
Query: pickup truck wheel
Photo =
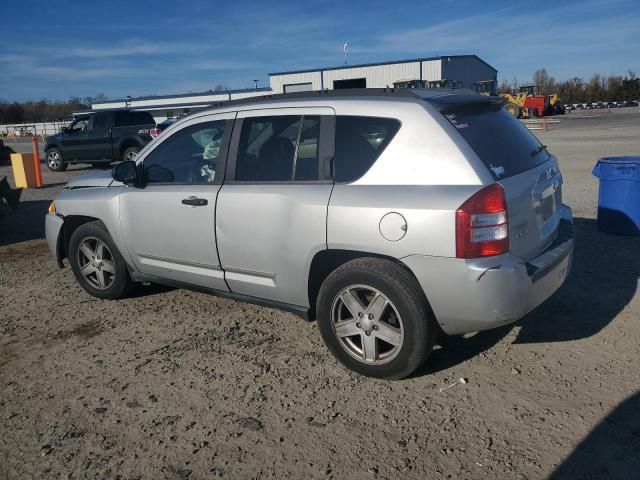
130 153
96 262
55 161
375 319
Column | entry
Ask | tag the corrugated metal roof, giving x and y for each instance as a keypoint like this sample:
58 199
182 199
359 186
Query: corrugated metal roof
181 95
411 60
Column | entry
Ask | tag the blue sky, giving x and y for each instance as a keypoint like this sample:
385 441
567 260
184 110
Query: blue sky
62 48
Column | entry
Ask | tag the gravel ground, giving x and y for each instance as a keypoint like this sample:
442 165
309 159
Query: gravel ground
175 384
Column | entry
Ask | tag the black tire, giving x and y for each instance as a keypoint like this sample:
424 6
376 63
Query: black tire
118 284
55 160
405 294
130 153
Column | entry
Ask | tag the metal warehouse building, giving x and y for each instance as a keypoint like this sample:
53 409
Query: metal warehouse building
463 69
466 69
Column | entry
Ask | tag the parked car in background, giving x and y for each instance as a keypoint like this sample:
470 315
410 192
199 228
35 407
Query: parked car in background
99 138
388 216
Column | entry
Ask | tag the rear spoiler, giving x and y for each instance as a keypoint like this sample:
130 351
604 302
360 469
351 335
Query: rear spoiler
448 101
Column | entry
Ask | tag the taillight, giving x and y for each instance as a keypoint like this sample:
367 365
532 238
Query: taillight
482 224
154 132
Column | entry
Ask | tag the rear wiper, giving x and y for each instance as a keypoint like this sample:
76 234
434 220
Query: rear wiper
537 150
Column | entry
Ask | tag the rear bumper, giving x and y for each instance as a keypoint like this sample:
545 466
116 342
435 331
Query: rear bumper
472 295
53 232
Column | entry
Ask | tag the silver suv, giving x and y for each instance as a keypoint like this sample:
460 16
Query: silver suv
388 216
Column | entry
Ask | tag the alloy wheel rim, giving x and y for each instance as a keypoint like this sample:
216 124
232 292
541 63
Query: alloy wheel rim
131 155
367 324
54 159
96 263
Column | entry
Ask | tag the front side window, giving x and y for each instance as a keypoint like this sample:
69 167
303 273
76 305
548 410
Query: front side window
359 143
79 125
189 156
278 149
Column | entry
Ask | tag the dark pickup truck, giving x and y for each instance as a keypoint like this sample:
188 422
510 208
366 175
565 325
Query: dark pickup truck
99 137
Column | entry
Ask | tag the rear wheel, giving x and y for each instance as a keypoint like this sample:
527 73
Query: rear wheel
130 153
55 161
374 318
96 262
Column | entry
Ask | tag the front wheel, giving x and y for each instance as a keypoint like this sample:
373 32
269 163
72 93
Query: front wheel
96 262
55 161
374 318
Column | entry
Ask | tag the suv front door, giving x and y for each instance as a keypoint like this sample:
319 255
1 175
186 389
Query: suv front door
169 225
272 209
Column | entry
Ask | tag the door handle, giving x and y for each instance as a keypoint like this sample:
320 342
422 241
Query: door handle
195 201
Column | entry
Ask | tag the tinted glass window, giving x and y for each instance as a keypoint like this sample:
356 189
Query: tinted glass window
359 143
188 156
278 149
128 119
99 121
79 126
503 144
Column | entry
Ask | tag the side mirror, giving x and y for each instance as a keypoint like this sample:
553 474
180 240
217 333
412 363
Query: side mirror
126 172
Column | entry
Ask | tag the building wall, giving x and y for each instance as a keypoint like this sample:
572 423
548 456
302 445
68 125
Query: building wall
278 82
467 69
378 76
432 70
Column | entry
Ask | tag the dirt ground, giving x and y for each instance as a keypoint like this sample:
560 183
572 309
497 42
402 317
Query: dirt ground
175 384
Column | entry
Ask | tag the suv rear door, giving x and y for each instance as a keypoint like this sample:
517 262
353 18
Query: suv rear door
272 209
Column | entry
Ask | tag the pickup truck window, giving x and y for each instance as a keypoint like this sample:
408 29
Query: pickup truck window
189 156
99 121
128 119
79 125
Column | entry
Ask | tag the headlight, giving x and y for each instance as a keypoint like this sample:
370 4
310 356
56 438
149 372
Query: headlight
52 208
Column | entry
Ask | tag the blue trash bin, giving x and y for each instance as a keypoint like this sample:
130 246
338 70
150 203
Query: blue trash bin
619 196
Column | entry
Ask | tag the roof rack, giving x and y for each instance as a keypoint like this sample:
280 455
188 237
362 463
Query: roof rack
342 92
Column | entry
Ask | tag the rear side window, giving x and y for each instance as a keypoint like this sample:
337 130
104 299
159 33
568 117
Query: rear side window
129 119
278 149
503 144
359 143
99 121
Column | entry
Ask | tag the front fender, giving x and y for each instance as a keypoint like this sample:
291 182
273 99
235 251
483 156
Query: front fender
100 203
53 225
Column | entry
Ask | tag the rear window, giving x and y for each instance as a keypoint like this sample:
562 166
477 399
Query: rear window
359 143
503 144
128 119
